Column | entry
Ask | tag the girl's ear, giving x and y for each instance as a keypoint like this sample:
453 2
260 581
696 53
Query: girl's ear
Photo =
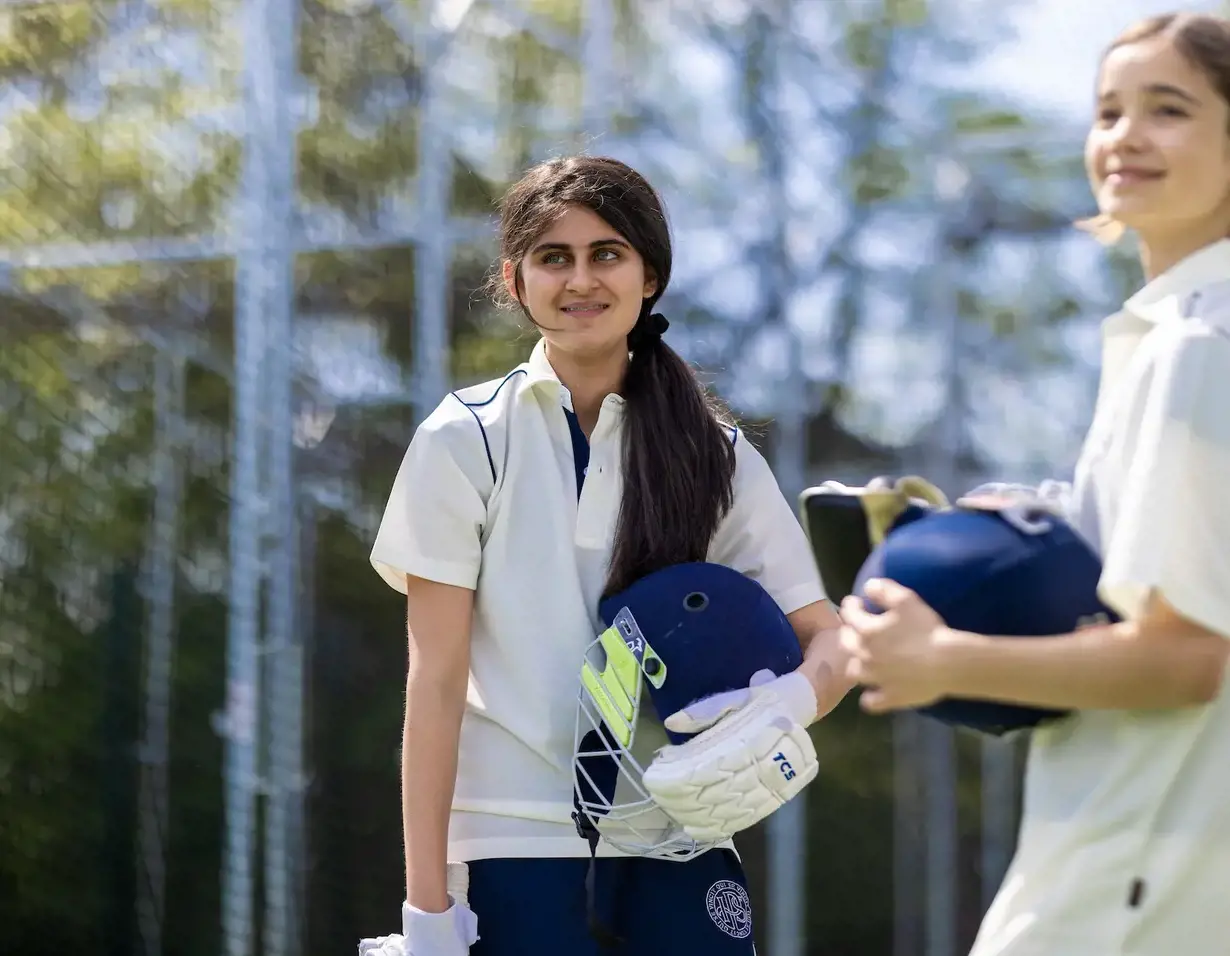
509 273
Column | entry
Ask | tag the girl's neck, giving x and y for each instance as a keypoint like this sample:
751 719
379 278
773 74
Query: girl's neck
589 379
1161 253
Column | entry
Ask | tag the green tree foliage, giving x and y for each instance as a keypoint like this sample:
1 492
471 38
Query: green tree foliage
125 135
122 131
67 674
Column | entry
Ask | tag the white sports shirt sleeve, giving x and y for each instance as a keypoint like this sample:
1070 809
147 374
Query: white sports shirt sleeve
433 521
1172 528
1124 844
761 535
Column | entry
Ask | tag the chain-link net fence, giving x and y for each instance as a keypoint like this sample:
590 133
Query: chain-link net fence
239 247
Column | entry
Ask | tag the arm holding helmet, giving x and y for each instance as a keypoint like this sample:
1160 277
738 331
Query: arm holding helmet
752 751
910 659
747 736
762 538
825 659
805 695
907 658
1165 570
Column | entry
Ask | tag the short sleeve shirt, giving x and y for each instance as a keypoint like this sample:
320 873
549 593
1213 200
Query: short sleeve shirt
1124 847
487 498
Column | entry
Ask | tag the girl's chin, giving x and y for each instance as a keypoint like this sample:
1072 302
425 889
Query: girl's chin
586 341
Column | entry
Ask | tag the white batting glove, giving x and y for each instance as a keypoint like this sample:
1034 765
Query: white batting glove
1050 496
450 933
753 755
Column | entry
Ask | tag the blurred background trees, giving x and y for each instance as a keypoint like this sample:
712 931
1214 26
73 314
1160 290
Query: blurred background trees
875 266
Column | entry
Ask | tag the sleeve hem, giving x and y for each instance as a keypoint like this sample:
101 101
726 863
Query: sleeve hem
1211 615
394 568
1127 598
798 596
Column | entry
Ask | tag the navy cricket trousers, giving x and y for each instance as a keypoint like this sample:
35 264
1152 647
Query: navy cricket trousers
536 907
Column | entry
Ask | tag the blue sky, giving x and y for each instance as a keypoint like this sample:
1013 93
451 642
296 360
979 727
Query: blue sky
1068 36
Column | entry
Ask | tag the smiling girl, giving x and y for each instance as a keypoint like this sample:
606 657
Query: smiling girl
520 504
1125 838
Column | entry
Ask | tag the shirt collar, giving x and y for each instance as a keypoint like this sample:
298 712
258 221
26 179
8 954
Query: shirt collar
540 375
1166 298
538 369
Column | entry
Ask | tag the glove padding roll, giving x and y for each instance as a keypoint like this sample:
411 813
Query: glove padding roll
1052 497
754 756
845 524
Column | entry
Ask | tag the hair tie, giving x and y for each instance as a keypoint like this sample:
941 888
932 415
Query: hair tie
647 329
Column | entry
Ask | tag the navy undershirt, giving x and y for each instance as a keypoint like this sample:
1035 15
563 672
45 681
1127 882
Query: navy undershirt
580 449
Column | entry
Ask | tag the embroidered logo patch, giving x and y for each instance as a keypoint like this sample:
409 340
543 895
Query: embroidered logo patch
730 909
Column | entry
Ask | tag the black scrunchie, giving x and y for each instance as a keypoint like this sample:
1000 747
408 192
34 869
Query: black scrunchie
647 329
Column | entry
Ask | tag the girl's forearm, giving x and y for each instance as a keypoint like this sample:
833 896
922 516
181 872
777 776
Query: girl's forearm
824 664
430 738
1100 668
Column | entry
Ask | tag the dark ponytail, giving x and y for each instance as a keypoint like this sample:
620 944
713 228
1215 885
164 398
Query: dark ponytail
679 464
678 443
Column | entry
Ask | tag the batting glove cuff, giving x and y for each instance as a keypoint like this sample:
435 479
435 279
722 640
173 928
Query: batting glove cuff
450 933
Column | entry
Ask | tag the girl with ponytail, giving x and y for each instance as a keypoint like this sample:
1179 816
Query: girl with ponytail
521 504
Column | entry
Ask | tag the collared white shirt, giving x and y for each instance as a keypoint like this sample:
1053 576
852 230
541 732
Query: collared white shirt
486 498
1124 847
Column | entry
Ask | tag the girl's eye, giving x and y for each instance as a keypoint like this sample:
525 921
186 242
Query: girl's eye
560 258
1172 111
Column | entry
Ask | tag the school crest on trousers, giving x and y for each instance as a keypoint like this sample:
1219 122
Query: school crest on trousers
730 908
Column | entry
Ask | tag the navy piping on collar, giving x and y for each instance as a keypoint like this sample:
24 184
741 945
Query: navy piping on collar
473 405
470 406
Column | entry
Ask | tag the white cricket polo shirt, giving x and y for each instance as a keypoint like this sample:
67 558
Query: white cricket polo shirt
537 558
1125 840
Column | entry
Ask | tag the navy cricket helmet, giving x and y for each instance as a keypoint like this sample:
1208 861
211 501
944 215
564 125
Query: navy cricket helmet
1003 572
673 637
1014 570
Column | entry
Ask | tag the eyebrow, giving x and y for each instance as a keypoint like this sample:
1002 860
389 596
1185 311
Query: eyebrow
1159 89
564 247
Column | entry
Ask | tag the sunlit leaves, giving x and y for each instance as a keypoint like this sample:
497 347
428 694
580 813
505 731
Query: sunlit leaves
43 40
566 15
